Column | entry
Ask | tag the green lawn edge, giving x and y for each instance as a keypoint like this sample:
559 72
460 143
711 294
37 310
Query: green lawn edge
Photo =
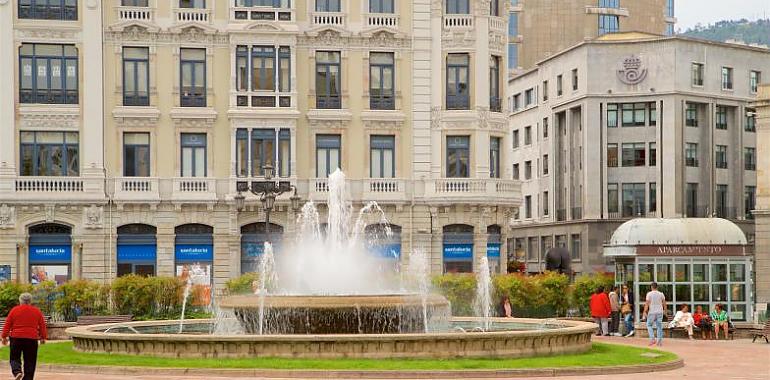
600 355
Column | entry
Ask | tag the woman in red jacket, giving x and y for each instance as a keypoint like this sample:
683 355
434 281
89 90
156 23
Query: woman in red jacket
601 310
26 326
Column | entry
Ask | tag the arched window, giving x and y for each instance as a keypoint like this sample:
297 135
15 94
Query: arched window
253 238
494 242
50 253
458 248
137 249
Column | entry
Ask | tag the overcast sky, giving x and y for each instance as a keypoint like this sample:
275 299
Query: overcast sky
691 12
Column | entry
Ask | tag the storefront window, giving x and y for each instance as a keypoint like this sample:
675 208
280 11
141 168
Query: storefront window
50 253
458 248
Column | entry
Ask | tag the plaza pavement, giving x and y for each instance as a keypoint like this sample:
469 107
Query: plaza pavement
720 360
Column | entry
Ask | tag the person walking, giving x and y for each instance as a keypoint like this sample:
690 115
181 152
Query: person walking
627 309
654 307
614 311
25 325
600 310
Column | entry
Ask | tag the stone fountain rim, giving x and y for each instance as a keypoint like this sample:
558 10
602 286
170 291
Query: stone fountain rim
330 301
90 332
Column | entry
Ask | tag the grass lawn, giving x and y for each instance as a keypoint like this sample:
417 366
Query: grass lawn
601 354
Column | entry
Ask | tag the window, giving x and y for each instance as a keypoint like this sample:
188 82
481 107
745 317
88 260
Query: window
545 128
457 87
327 82
50 154
691 115
193 154
136 76
722 202
65 10
381 6
199 4
545 91
257 147
721 117
515 171
134 3
750 159
612 115
612 155
242 152
546 203
529 97
381 81
327 5
494 7
528 207
653 108
136 154
545 164
691 154
193 69
669 29
494 83
576 247
327 154
262 150
653 154
608 24
633 199
263 69
721 156
494 157
751 120
669 8
727 78
515 139
527 169
382 157
528 135
48 74
633 154
559 85
697 74
653 197
749 198
634 114
612 198
692 200
516 102
458 156
755 78
574 79
457 7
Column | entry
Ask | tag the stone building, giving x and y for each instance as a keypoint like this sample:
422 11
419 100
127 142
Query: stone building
631 125
762 212
172 103
541 28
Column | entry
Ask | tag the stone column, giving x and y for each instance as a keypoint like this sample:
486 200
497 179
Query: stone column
762 212
7 67
92 133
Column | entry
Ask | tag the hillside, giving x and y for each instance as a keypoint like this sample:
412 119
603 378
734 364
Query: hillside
750 32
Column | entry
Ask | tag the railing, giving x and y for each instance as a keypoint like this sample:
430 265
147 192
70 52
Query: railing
561 215
497 24
192 15
384 185
263 13
329 18
136 184
263 99
460 185
381 20
319 185
577 213
49 184
135 14
194 185
458 21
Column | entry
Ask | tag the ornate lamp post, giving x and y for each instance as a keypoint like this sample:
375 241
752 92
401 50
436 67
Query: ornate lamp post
267 191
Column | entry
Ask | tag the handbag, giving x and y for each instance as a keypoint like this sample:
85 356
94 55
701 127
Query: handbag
625 309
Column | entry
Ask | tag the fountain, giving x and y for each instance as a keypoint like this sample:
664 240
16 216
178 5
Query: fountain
195 276
330 294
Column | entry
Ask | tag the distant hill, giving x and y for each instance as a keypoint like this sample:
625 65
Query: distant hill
750 32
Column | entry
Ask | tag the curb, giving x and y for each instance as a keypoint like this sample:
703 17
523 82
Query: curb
344 374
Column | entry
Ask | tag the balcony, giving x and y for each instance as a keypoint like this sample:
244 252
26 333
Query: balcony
384 189
264 99
261 13
53 189
329 19
184 15
145 14
318 189
194 189
381 20
129 189
497 24
458 22
472 189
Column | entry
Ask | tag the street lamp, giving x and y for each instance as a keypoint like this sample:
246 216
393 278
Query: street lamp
267 191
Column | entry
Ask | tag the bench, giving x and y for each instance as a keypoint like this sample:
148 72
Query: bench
87 320
47 321
761 333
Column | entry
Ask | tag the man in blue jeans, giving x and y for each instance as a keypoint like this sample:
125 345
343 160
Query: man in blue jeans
654 307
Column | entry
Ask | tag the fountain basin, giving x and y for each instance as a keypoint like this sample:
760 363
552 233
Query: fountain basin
342 314
525 338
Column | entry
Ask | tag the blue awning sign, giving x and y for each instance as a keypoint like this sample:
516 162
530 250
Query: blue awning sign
194 253
493 250
137 253
458 252
387 251
49 254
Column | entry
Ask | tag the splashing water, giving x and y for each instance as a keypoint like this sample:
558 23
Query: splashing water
483 303
267 277
419 269
196 276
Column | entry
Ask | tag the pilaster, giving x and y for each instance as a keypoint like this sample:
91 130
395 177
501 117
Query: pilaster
7 119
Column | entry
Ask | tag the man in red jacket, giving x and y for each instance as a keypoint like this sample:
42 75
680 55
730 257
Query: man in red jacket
601 310
26 326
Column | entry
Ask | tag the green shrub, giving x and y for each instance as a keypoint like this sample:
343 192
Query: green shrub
44 296
539 296
9 295
459 289
584 286
82 297
241 284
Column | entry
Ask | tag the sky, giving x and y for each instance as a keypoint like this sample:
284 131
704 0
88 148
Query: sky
691 12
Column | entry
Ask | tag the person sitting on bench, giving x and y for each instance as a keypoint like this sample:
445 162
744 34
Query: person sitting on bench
683 319
720 319
702 320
